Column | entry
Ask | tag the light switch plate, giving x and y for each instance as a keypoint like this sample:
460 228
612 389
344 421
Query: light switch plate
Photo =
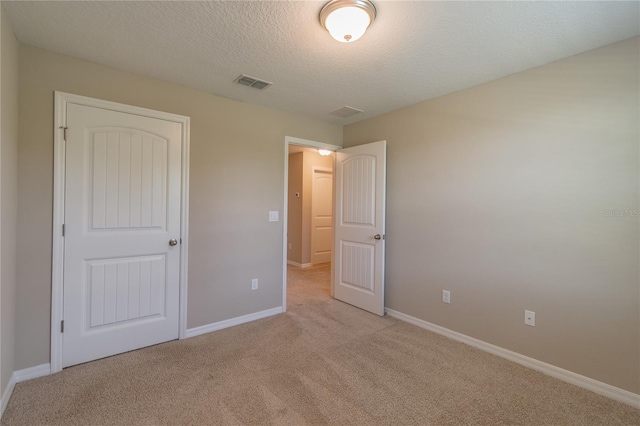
273 216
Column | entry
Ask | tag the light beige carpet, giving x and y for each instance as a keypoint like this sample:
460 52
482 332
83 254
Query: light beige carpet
323 362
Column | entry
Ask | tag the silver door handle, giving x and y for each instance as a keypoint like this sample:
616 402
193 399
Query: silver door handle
377 237
173 242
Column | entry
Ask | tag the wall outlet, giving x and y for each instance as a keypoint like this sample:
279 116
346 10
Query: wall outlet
289 246
530 318
254 284
446 296
273 216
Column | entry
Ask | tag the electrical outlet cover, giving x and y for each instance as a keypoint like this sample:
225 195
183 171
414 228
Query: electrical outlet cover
530 318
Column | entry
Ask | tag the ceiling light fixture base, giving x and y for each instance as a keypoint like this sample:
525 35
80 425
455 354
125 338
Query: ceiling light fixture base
347 20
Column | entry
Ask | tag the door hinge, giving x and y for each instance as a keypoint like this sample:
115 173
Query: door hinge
63 229
62 326
64 132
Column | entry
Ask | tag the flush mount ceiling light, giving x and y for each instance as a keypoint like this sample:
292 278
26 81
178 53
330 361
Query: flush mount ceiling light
347 20
324 152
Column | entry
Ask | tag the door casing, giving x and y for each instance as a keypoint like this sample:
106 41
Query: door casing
289 140
57 275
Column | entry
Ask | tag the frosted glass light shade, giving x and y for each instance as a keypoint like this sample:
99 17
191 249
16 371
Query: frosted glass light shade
347 20
324 152
347 24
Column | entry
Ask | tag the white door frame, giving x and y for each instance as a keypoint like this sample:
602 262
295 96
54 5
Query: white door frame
289 140
57 273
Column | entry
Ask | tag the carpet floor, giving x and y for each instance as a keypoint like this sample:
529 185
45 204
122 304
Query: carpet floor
322 362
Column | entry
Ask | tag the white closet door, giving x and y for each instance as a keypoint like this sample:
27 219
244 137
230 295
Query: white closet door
122 211
321 216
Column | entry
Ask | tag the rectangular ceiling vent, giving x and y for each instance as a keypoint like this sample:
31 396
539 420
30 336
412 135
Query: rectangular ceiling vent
245 80
346 112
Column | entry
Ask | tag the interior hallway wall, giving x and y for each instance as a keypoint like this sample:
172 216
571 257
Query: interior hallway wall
302 160
310 159
294 214
523 193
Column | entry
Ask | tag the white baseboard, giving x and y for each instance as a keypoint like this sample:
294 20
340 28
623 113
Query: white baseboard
299 265
192 332
21 376
600 388
32 372
6 395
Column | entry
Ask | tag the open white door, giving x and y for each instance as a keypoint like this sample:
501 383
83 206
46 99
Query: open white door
359 241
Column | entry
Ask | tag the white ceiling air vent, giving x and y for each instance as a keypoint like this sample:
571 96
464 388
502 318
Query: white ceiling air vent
245 80
346 112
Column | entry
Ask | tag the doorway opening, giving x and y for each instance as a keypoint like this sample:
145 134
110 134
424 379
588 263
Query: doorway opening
358 219
308 223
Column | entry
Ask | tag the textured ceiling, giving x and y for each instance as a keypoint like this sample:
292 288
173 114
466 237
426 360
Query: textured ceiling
412 52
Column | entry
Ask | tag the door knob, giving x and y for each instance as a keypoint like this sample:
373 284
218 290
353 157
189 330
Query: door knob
173 242
377 237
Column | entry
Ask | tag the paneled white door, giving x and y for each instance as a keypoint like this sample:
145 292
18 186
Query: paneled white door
122 211
321 216
359 242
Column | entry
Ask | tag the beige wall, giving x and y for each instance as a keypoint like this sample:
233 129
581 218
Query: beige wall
294 214
8 196
299 217
237 170
499 193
